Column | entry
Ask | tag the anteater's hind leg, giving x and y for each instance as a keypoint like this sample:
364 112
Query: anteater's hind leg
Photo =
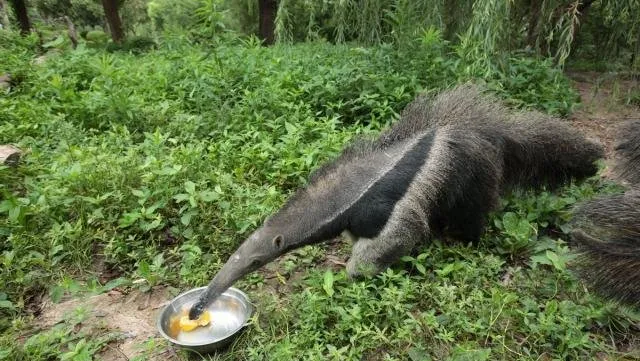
466 225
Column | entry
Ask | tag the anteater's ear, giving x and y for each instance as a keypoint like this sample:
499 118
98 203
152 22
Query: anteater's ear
277 241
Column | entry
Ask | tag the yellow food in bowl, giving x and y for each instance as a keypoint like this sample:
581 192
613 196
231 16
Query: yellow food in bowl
182 323
187 325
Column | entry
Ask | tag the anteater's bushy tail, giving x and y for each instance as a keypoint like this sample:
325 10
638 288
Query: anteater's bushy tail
540 150
537 149
607 229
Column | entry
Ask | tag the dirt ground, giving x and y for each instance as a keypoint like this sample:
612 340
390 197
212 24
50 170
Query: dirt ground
602 107
134 314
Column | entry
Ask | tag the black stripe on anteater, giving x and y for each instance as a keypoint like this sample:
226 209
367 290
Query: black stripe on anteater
370 213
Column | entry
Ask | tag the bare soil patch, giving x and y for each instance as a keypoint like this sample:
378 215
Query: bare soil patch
132 315
602 107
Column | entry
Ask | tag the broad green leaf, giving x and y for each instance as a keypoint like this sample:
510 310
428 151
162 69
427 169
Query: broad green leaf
290 127
181 197
153 225
510 222
158 260
55 249
117 282
14 213
6 205
53 43
153 208
557 262
128 219
208 196
540 259
186 218
168 170
328 283
190 187
524 230
138 193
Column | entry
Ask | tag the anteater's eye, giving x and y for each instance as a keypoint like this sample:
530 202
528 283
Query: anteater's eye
255 263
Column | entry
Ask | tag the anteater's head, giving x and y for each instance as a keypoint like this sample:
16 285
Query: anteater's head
308 217
261 247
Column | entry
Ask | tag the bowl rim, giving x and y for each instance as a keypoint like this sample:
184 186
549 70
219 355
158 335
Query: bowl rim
213 341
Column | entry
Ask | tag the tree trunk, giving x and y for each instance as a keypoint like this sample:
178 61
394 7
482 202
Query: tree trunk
451 19
71 29
4 13
532 30
583 9
115 25
20 9
268 10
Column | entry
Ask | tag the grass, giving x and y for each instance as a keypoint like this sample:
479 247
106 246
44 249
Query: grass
159 162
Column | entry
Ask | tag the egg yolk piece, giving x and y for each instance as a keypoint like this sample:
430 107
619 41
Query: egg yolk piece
187 325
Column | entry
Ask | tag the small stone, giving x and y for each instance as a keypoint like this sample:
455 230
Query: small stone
5 82
9 155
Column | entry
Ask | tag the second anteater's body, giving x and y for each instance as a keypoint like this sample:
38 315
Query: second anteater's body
607 228
437 172
627 152
607 238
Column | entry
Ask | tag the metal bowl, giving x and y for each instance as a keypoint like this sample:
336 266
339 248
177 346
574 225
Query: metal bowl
230 313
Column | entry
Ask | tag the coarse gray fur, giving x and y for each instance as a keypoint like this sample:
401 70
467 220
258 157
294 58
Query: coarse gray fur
607 238
607 229
627 152
437 172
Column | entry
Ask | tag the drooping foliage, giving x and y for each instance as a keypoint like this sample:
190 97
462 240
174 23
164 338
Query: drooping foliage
487 30
549 28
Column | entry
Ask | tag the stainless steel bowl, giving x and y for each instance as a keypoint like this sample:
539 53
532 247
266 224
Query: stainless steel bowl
230 313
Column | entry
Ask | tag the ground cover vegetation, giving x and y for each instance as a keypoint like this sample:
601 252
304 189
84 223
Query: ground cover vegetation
150 158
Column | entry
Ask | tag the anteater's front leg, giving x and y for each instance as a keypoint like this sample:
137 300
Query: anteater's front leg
371 256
